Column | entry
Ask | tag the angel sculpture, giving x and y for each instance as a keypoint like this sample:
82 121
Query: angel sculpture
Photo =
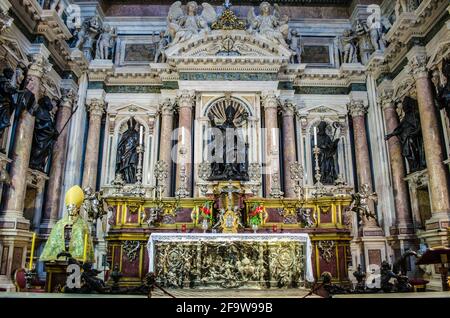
360 203
273 27
93 204
182 27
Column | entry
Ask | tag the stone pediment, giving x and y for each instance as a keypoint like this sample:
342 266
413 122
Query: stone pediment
228 50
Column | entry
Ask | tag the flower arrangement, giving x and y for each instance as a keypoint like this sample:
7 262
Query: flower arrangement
256 215
202 213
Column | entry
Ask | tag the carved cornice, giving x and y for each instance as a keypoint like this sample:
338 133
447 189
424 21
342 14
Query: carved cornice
96 107
36 179
357 108
52 26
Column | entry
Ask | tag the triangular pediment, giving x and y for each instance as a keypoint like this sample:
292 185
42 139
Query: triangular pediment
224 49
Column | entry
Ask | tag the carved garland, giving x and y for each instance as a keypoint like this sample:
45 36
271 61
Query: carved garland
326 250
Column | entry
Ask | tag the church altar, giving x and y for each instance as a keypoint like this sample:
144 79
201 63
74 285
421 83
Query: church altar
238 260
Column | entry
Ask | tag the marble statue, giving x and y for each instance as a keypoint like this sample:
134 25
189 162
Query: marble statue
45 134
348 43
85 37
182 27
160 55
360 276
375 26
273 27
5 21
361 201
441 81
105 43
295 46
50 4
400 5
231 164
127 156
68 234
410 134
363 44
7 102
327 155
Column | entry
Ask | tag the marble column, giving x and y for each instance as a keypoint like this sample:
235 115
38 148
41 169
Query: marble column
358 111
14 228
186 100
15 196
404 222
54 188
270 105
434 150
95 108
289 148
165 143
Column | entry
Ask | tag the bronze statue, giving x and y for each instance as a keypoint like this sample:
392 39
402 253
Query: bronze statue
233 163
442 85
7 103
360 278
410 135
328 154
45 134
127 156
360 203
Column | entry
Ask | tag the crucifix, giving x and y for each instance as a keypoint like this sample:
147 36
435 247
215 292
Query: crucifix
227 4
229 190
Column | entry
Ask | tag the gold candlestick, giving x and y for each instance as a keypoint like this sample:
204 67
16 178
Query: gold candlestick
33 243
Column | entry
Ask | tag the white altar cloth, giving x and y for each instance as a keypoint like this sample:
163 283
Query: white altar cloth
227 237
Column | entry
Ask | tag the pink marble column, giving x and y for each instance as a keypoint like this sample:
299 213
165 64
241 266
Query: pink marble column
54 188
15 196
186 101
165 144
270 105
403 215
289 148
434 150
96 108
358 110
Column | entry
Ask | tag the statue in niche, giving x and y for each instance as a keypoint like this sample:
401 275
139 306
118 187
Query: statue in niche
328 154
410 135
348 43
295 46
127 155
441 81
7 102
182 27
160 55
45 134
105 43
232 163
273 27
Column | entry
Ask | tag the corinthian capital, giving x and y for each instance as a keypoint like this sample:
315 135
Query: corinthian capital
69 97
96 107
288 108
270 100
39 66
357 108
186 98
418 65
386 97
166 108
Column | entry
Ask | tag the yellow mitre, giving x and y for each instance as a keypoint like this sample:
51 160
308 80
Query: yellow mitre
75 196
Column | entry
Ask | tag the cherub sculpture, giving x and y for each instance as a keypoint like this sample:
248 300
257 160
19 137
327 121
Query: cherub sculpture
295 46
93 205
182 27
273 27
160 55
360 203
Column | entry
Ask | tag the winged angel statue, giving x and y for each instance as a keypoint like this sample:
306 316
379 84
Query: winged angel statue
273 27
182 27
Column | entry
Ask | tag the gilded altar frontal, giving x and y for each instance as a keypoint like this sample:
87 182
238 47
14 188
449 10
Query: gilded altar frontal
288 148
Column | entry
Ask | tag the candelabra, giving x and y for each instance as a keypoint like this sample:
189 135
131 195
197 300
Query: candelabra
161 173
182 191
204 172
140 151
275 188
254 172
319 187
297 173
